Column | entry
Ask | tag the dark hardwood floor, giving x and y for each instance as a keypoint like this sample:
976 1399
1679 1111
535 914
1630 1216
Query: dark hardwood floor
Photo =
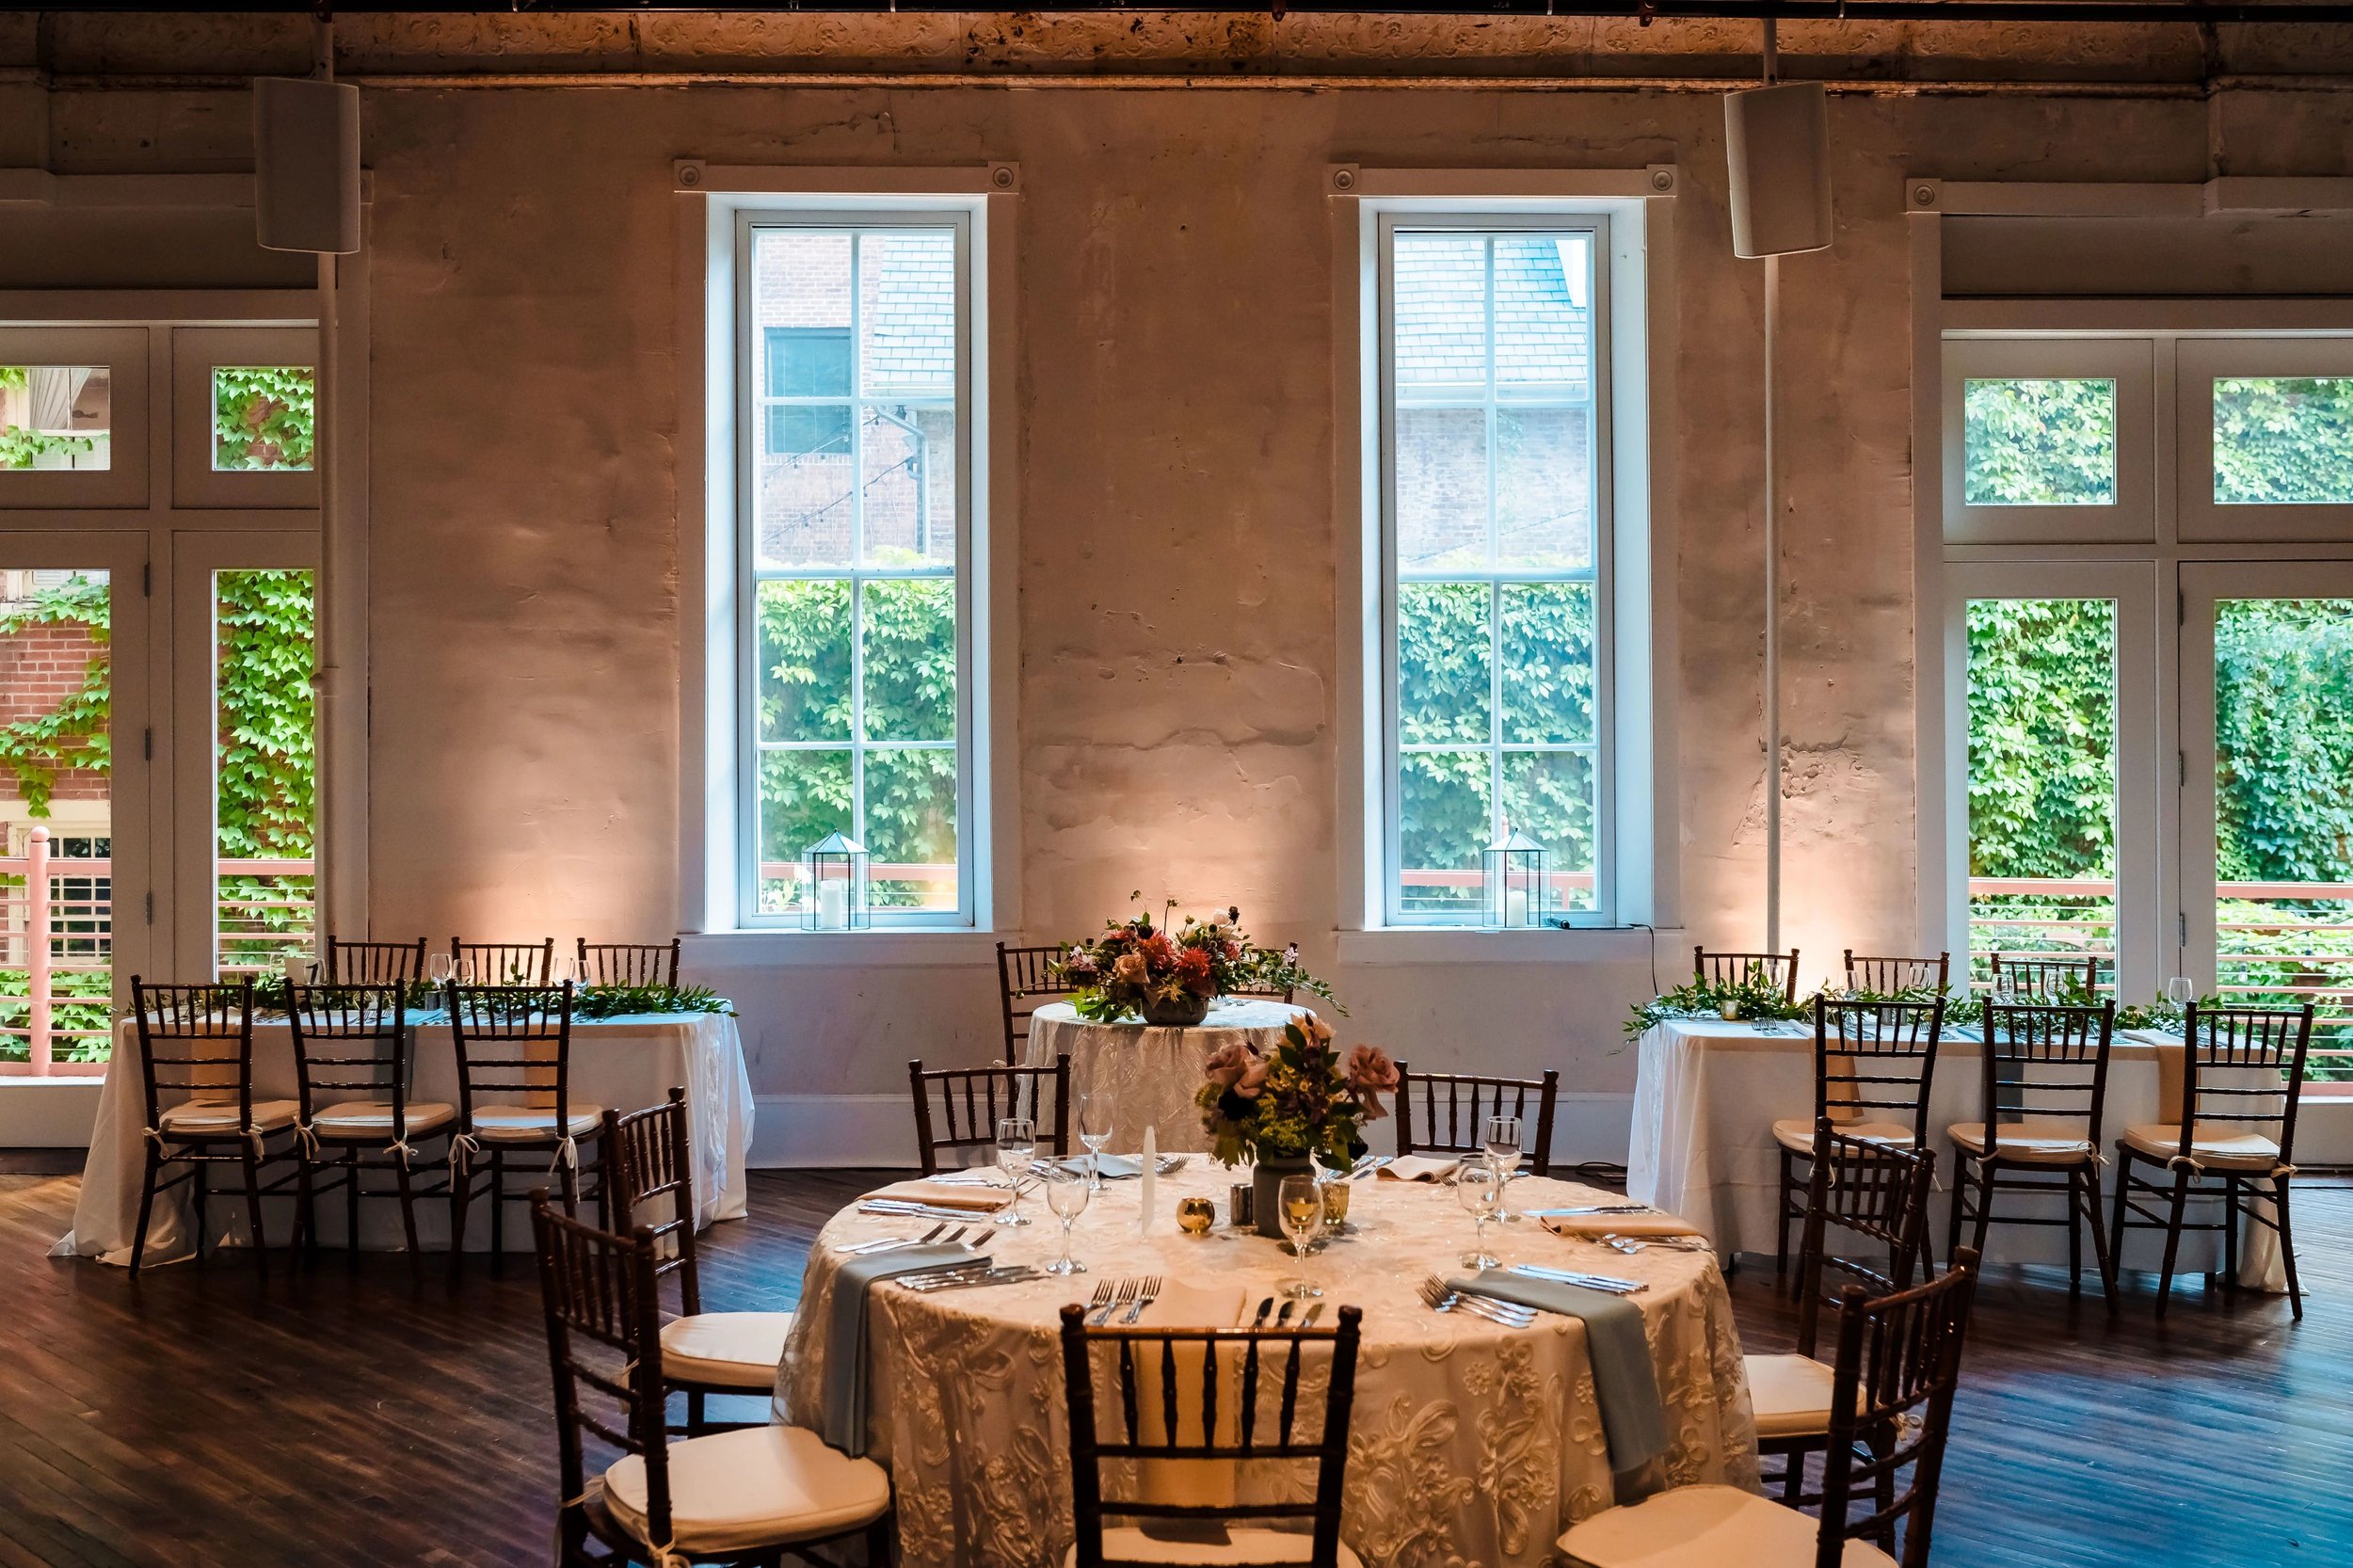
356 1416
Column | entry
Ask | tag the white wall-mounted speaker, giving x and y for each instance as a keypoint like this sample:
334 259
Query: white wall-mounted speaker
1777 139
305 165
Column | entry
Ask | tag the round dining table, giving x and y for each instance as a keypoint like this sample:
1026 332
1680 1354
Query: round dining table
1150 1073
1471 1442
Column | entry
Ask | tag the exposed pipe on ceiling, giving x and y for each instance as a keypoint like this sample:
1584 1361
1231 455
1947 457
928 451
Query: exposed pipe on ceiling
2185 12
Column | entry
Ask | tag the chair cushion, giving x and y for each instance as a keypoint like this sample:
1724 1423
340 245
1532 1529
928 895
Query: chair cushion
726 1349
533 1124
1241 1547
219 1118
2028 1142
1791 1394
373 1119
1797 1133
2216 1144
758 1486
1706 1527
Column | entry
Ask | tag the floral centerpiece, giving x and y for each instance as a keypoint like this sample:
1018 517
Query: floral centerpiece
1301 1107
1170 977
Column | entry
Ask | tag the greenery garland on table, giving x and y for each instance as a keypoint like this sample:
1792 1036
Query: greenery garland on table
1761 999
588 1002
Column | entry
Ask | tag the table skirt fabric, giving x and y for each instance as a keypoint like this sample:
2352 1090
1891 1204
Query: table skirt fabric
1151 1074
626 1064
1707 1094
1471 1442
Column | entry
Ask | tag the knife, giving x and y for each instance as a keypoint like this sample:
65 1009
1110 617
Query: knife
1313 1313
1264 1307
1284 1316
1595 1208
1609 1283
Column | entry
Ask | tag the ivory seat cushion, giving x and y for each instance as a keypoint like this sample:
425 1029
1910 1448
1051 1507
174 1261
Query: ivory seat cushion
373 1119
726 1349
758 1486
1706 1527
219 1118
522 1124
1242 1545
2215 1144
1797 1133
2029 1142
1790 1394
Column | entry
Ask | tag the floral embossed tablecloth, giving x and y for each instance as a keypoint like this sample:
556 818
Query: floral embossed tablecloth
1471 1442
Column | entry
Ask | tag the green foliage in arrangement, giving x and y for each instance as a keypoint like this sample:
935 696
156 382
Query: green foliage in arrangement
262 417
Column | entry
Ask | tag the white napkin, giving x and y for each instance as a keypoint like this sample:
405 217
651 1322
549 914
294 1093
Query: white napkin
1202 1483
1618 1225
1182 1306
948 1195
1420 1167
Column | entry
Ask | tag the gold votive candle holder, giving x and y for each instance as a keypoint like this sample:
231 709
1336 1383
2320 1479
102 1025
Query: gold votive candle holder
1336 1203
1194 1216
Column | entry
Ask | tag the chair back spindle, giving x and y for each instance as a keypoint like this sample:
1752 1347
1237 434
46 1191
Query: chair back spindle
2040 977
1875 1057
1454 1106
1889 977
651 965
1025 983
1737 968
1874 1191
2230 1058
2046 1064
957 1109
350 1040
504 963
196 1043
513 1044
373 963
648 1158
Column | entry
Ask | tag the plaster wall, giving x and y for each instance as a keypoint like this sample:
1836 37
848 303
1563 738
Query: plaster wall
1179 666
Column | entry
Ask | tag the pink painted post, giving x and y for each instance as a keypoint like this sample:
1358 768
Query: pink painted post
37 948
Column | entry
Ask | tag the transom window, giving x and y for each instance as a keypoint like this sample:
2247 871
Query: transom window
1493 536
855 343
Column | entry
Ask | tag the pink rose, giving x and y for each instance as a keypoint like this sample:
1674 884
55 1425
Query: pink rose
1224 1066
1253 1070
1370 1073
1129 969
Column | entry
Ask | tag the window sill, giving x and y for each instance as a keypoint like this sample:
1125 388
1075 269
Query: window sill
1430 945
842 949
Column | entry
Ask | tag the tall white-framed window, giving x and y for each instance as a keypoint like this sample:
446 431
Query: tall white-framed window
1494 542
855 611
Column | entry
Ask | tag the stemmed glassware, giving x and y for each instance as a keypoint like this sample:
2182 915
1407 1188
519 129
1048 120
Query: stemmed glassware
1502 1140
2181 990
1094 1131
1299 1200
1017 1147
1479 1187
440 970
1066 1195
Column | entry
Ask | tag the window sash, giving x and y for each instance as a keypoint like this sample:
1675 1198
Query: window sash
754 401
1495 395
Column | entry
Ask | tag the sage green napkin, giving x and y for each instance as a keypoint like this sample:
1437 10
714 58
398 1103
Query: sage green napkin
1625 1380
844 1416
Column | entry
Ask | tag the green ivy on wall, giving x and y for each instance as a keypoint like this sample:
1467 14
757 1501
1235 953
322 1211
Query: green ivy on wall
263 416
21 448
74 734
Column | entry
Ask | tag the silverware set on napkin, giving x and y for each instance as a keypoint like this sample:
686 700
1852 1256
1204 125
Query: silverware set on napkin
1113 1294
908 1208
1369 1164
1440 1297
964 1276
1283 1319
1609 1283
942 1235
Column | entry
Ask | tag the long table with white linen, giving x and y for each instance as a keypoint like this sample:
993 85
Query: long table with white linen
1151 1072
626 1064
1708 1093
1471 1442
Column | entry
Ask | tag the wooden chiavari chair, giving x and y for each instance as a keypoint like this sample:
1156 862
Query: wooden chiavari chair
2039 977
648 964
1453 1122
1869 1191
648 1160
1734 968
514 1046
1154 1423
2046 1085
1873 1064
196 1070
503 963
969 1101
372 963
2238 1131
1025 983
353 1040
1890 1410
1888 977
736 1497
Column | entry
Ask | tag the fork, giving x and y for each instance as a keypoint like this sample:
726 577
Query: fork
1127 1293
1151 1293
1440 1298
888 1243
1102 1299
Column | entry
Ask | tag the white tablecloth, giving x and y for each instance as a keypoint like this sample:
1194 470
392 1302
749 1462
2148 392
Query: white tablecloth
1707 1094
1471 1444
626 1064
1151 1074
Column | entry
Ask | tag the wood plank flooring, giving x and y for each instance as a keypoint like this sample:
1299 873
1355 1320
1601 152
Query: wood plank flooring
345 1415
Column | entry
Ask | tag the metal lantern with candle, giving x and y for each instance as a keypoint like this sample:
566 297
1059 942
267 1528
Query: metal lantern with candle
833 882
1514 881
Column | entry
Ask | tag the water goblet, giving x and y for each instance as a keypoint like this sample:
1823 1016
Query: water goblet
2181 990
1066 1195
1094 1131
1479 1187
1299 1199
1017 1147
1502 1140
440 968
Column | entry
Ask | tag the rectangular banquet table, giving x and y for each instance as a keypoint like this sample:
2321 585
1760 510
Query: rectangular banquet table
1708 1093
625 1063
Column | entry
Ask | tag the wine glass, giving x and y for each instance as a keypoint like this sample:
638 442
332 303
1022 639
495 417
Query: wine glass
1300 1201
1501 1137
1479 1187
1066 1195
440 968
2181 990
1017 1147
1094 1131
